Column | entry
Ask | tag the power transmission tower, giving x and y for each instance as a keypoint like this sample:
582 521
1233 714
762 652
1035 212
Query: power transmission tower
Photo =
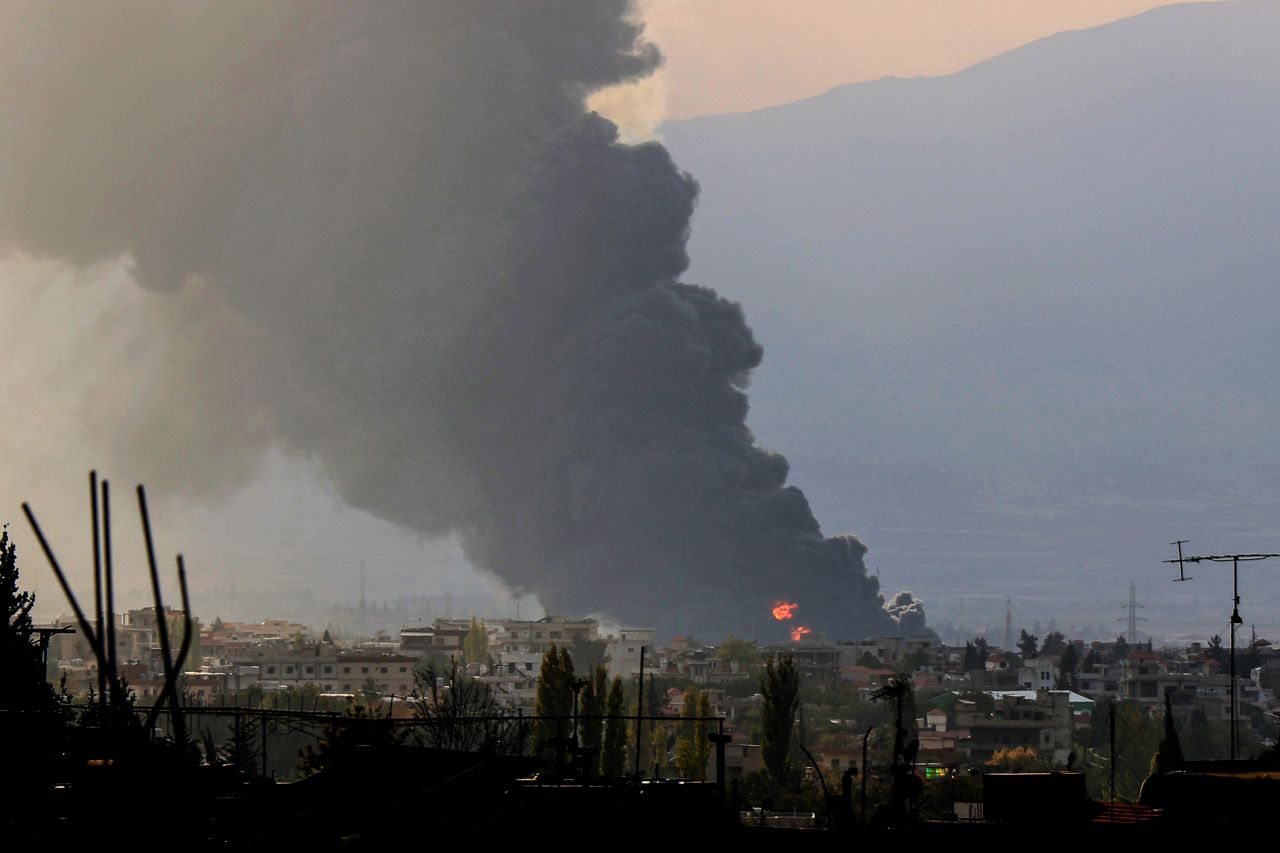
1132 636
1235 621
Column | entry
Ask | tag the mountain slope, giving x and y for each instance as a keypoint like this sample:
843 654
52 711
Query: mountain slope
1020 321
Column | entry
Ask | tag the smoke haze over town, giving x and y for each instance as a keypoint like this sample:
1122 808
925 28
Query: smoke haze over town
369 287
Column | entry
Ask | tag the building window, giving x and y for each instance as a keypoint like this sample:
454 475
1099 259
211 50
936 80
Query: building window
271 670
364 669
404 669
384 670
346 670
328 670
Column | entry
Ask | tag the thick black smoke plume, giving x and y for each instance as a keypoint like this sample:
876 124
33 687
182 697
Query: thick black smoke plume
449 283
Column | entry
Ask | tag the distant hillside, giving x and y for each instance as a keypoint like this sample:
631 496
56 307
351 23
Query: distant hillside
1022 322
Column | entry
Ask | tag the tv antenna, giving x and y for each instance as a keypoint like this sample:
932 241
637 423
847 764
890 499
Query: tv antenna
1180 561
1235 620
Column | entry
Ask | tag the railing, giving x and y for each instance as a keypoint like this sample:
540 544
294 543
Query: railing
271 742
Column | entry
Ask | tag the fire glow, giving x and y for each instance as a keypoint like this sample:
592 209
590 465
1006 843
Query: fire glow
784 610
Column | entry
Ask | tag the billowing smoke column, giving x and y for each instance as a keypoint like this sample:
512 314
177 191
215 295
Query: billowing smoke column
449 284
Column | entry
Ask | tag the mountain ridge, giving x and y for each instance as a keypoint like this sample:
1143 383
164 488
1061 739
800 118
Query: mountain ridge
1037 285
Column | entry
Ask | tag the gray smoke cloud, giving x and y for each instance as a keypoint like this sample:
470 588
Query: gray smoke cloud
396 241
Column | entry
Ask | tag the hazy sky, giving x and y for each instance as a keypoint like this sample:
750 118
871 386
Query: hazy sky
60 378
1113 190
736 55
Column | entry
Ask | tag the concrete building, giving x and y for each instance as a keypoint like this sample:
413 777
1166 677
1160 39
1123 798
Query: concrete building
894 652
514 635
390 673
1038 673
1041 721
624 651
817 662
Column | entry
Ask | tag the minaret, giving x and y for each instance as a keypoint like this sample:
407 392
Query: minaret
1008 624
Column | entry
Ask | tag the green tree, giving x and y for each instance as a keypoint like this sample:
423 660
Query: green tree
591 709
1120 651
735 650
615 733
587 654
1204 739
303 697
1018 759
460 712
35 718
652 745
1253 652
870 661
23 687
475 646
1137 739
1028 644
704 743
370 691
240 749
975 654
1067 666
691 754
1054 644
1214 651
1168 755
355 733
554 699
780 697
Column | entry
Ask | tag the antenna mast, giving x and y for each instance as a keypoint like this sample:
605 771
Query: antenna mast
1235 620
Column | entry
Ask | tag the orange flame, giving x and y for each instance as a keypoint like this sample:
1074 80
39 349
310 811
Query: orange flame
798 632
783 610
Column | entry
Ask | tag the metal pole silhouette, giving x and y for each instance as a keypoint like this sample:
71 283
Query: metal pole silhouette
639 710
109 582
97 591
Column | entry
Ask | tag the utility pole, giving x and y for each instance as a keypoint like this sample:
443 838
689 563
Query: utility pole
1235 620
